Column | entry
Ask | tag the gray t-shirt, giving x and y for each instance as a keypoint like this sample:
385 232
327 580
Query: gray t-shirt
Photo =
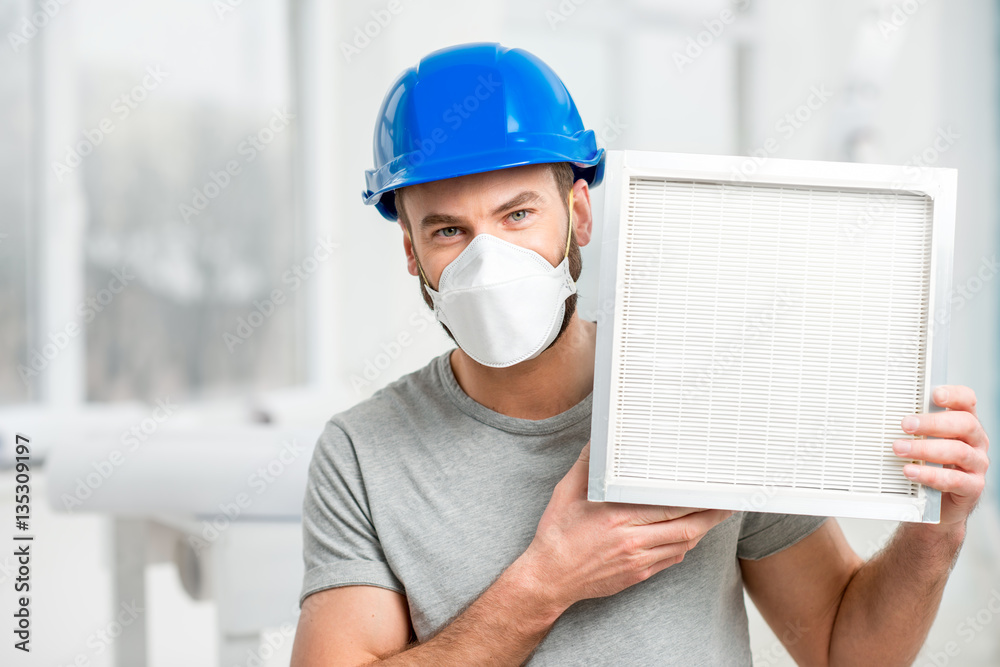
424 491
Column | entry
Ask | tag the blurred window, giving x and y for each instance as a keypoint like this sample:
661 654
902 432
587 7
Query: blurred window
182 150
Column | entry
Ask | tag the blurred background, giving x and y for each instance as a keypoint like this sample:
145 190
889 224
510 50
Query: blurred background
190 285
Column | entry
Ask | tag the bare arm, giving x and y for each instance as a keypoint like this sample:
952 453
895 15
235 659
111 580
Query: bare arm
892 601
911 572
848 612
364 625
502 627
829 607
350 625
799 589
580 550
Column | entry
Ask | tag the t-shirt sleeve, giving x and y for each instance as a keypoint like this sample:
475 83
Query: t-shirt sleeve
340 546
763 533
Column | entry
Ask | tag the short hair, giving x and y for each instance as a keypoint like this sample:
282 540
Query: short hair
561 171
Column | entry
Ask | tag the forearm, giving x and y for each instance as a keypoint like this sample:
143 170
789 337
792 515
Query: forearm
502 627
890 603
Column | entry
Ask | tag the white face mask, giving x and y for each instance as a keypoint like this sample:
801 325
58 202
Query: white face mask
504 304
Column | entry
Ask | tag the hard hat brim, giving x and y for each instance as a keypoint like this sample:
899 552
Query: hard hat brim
402 172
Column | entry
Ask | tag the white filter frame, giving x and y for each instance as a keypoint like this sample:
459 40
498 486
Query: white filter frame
938 184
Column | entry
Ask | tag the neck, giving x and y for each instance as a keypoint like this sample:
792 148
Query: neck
551 383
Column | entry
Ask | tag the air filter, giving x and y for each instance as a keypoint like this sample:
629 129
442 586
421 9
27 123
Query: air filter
761 337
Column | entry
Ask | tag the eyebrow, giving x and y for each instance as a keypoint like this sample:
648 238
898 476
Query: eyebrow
435 219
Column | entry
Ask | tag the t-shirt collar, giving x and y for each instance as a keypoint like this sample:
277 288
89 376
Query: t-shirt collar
480 412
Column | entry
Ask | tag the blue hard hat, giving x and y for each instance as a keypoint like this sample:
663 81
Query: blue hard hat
472 108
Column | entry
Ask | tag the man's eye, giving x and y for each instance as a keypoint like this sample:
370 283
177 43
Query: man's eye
518 216
444 231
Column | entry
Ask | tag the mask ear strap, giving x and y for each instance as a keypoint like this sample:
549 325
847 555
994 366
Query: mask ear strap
570 234
419 268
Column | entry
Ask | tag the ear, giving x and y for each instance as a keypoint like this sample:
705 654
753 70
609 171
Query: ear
583 219
411 260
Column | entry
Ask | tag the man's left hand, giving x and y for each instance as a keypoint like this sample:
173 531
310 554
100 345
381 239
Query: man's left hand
956 439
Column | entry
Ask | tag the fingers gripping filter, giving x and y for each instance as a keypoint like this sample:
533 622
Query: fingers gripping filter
769 333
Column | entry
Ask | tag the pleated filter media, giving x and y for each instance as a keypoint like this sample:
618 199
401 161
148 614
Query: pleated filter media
761 337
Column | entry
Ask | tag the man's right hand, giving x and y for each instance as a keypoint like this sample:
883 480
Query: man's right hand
585 549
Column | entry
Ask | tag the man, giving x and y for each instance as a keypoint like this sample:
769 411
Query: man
446 520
